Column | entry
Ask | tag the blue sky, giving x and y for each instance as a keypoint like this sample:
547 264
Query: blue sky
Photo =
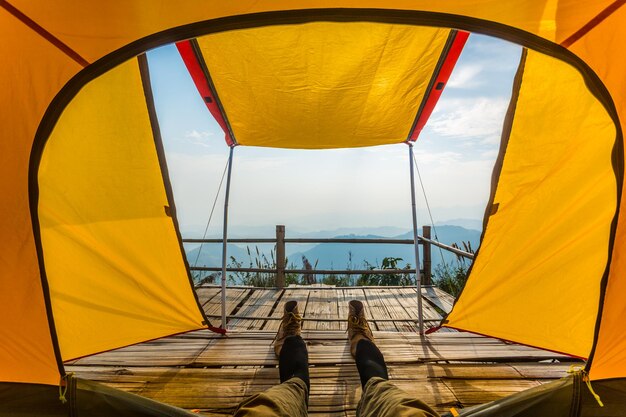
324 190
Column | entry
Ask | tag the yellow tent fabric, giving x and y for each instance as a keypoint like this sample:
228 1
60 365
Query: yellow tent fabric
602 50
112 256
26 351
47 43
324 84
545 246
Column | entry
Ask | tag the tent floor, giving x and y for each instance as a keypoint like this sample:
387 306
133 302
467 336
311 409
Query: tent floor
212 373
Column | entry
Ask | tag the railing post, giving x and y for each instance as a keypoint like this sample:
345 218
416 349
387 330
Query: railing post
426 251
280 256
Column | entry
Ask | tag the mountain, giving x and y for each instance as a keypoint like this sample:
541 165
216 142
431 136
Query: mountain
211 254
472 224
340 256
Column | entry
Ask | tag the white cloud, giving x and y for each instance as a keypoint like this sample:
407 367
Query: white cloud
326 189
197 137
476 118
437 158
490 154
465 77
194 134
195 180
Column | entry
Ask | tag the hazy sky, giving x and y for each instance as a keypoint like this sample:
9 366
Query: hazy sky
328 189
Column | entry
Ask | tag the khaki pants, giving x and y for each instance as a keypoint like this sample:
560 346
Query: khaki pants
383 399
285 400
380 399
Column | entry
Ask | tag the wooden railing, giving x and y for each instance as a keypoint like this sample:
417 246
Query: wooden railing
280 241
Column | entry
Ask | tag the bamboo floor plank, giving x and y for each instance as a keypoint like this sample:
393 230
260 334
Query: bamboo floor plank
313 309
264 304
334 389
376 298
253 348
233 297
407 298
404 305
213 373
473 392
207 293
445 300
532 370
258 304
396 311
322 304
234 306
172 351
544 370
332 311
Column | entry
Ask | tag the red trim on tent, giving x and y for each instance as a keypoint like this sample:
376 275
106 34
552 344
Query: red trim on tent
432 330
202 84
218 330
440 82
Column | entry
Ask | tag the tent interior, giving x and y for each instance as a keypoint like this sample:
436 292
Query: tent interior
97 244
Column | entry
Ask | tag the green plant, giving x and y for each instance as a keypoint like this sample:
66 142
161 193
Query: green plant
345 280
336 280
259 279
386 279
203 277
452 279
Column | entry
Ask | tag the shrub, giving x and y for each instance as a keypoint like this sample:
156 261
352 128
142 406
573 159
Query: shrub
452 278
386 279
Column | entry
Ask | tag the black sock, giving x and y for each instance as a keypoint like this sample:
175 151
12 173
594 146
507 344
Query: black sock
369 361
294 360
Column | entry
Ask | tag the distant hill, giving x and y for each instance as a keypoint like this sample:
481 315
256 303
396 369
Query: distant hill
211 254
338 255
471 224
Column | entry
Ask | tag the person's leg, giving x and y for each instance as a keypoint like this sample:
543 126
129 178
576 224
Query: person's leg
369 361
284 400
293 361
380 397
290 398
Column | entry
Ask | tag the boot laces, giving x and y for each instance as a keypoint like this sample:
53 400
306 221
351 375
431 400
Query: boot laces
359 325
292 324
289 325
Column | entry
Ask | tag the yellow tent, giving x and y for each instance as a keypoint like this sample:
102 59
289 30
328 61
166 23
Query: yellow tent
91 259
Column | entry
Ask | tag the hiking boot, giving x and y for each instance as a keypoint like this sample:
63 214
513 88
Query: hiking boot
289 325
358 328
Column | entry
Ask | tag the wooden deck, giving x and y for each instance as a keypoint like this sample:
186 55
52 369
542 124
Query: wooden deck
325 308
213 373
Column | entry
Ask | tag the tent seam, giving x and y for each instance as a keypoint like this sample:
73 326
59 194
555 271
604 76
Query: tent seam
589 26
41 31
158 143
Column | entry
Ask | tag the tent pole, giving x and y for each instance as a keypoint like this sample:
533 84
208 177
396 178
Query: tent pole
225 236
418 278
